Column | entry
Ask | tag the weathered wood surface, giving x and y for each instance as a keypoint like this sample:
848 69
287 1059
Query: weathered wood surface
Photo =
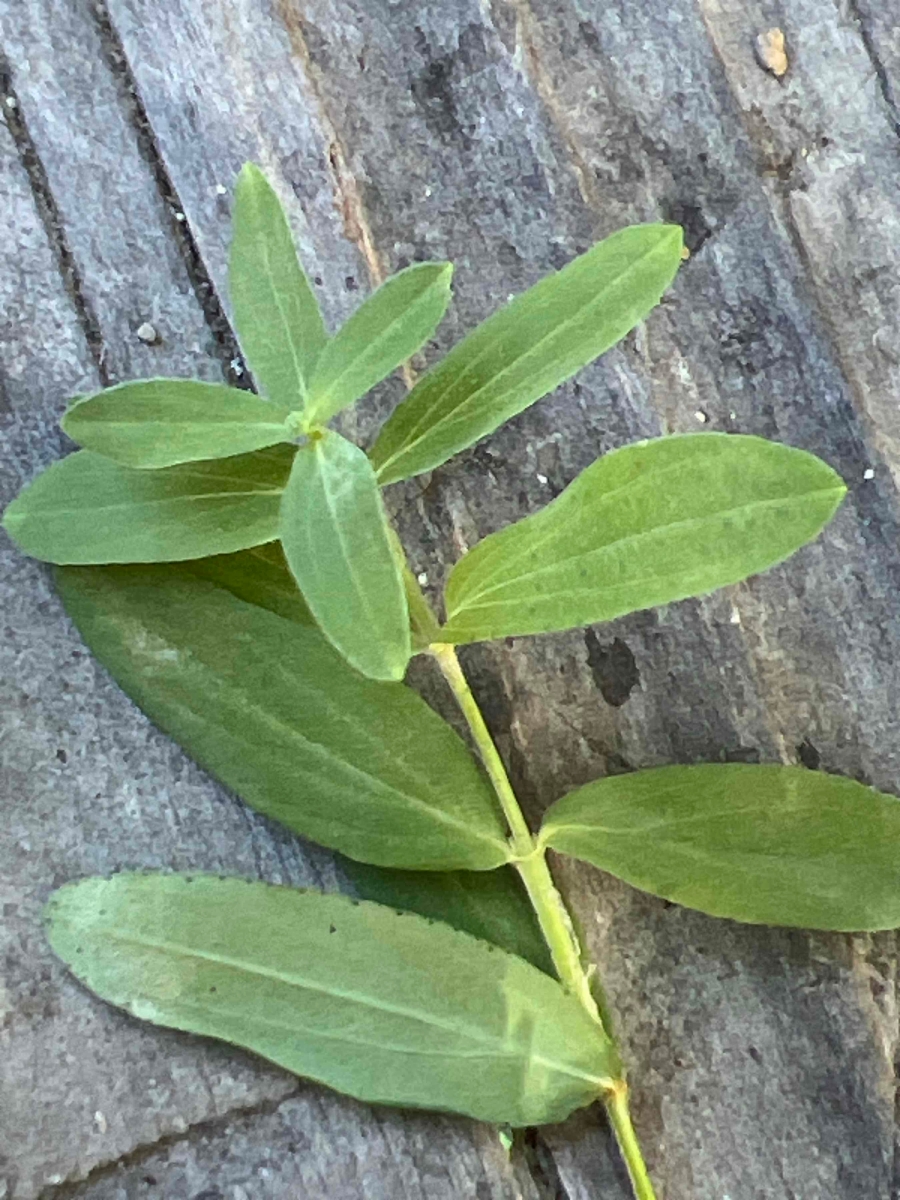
506 135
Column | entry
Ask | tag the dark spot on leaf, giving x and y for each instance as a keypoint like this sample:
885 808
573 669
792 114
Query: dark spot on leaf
332 928
213 988
355 903
317 280
61 755
189 879
613 668
809 755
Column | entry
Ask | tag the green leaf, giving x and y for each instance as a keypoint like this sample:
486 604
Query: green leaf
389 327
260 576
648 524
87 509
764 844
491 905
528 348
161 422
335 536
268 707
275 311
391 1009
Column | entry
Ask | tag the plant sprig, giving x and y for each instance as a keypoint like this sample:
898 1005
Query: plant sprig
228 557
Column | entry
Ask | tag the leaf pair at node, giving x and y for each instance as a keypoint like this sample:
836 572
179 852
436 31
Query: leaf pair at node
329 517
174 470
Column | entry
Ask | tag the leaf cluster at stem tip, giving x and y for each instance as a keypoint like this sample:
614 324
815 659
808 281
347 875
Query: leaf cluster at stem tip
228 557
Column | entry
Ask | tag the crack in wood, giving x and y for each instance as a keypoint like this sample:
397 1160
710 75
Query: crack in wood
348 196
72 1189
528 41
884 83
542 1168
49 214
224 339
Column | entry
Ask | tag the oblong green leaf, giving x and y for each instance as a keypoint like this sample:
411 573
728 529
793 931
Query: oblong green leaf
648 524
387 1007
529 348
334 531
384 332
268 707
276 313
767 845
491 905
87 509
259 576
160 422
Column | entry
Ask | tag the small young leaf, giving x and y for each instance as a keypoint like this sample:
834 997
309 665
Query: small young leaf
389 327
648 524
268 707
767 845
87 509
391 1009
335 536
259 576
161 422
491 905
275 311
529 348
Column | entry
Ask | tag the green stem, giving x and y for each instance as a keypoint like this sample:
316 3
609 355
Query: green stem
616 1101
522 841
531 862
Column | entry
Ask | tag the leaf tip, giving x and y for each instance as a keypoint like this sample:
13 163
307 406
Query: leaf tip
250 172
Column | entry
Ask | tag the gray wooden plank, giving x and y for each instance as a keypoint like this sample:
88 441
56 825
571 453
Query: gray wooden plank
309 1148
113 220
221 86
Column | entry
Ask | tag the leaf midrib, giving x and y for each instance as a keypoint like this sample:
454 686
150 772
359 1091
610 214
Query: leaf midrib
429 1020
354 365
372 782
263 249
477 600
410 440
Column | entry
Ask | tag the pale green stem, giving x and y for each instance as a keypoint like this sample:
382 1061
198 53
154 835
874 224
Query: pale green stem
522 841
616 1101
531 862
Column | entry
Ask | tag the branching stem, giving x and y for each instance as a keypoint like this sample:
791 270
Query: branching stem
530 861
529 858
